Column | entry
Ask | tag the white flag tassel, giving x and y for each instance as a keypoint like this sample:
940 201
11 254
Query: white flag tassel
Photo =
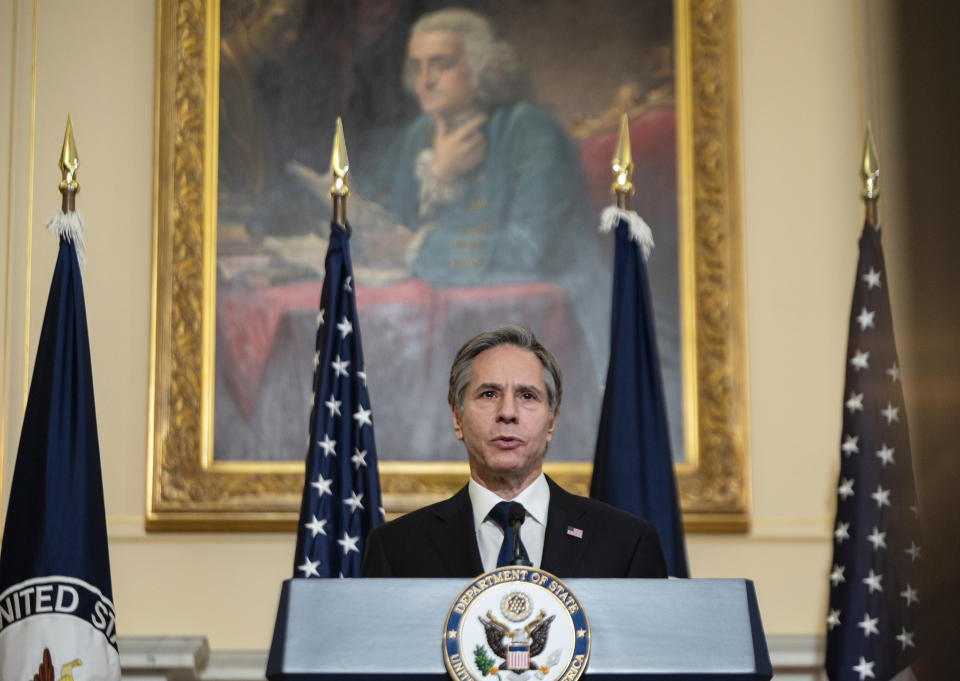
70 226
639 230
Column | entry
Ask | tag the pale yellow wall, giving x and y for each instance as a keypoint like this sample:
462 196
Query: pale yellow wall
801 144
802 218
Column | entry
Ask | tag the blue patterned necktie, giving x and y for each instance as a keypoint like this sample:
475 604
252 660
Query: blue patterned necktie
500 514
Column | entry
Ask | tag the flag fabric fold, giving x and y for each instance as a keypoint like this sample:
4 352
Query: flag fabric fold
633 465
872 628
56 601
341 491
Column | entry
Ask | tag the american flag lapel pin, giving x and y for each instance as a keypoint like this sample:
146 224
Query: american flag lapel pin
574 532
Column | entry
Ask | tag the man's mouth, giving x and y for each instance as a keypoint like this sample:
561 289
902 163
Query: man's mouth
507 442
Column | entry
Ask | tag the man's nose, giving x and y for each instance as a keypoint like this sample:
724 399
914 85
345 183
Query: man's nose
507 410
427 77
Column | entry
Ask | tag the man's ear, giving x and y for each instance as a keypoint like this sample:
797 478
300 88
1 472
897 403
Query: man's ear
553 424
457 430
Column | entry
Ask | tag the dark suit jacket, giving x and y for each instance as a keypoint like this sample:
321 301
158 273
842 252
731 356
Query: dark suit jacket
440 541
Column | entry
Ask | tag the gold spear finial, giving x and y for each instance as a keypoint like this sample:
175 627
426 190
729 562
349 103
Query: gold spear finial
870 176
69 164
622 166
339 167
339 164
870 170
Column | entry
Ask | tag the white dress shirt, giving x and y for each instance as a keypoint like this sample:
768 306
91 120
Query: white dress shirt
535 499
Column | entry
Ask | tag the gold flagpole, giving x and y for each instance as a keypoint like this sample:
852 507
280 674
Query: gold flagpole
339 166
870 176
622 166
69 163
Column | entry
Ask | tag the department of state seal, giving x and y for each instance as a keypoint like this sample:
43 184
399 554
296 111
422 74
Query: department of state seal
516 624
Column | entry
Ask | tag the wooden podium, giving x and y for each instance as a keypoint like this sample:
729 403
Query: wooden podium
391 629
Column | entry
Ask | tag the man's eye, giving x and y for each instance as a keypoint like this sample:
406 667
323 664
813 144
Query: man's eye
488 393
528 396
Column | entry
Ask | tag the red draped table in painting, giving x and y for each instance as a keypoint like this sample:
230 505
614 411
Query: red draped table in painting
410 331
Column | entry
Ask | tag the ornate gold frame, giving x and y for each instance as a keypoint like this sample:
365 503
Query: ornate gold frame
187 490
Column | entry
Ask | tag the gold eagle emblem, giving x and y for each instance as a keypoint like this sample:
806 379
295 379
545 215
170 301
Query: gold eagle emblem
45 671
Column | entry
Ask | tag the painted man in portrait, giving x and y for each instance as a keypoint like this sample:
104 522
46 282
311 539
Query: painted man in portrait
490 187
483 188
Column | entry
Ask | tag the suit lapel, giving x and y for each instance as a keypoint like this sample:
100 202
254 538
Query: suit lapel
455 538
562 551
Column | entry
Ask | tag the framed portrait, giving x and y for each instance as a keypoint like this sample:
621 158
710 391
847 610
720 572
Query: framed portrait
476 189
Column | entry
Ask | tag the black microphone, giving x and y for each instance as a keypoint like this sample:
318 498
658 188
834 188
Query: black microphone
516 518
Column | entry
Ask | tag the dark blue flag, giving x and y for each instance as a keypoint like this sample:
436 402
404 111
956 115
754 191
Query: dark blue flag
341 491
633 467
874 590
56 602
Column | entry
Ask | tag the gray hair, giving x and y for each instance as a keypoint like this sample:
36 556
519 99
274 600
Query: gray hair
496 74
519 336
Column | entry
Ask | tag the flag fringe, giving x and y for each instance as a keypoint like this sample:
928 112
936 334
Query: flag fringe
70 226
639 230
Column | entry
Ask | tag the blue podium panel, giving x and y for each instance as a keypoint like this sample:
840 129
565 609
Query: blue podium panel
651 629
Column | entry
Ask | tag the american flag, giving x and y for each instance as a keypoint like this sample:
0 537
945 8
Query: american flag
872 621
341 491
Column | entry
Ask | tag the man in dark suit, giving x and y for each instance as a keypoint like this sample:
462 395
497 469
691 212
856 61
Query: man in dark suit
505 390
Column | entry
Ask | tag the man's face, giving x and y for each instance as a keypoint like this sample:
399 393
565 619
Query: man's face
506 422
437 71
275 28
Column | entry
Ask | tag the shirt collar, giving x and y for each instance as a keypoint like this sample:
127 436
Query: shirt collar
535 499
